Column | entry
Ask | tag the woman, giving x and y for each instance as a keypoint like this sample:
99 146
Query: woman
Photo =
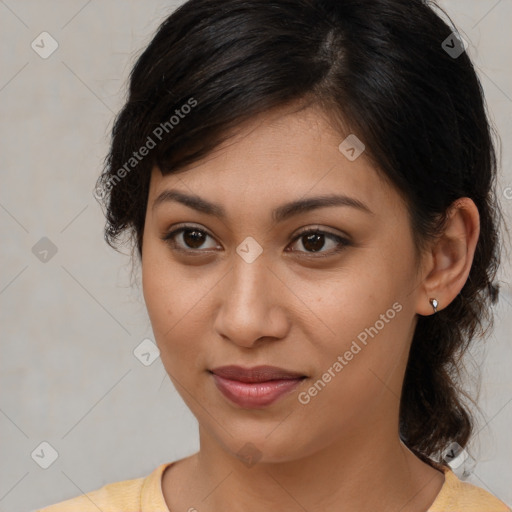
309 185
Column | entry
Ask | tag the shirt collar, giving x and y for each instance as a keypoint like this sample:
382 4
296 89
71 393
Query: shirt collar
151 494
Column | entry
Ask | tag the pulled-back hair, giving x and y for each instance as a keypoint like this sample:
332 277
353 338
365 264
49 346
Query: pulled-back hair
380 69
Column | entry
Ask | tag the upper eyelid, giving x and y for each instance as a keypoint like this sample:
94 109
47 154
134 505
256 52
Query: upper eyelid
183 227
313 227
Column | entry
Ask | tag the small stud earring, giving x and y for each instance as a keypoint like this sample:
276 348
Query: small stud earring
434 304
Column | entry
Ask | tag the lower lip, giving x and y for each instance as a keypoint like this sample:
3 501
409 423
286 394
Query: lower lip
254 394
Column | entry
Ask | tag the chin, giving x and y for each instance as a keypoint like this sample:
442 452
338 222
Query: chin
262 448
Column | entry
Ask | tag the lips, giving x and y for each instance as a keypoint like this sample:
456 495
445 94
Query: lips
255 374
255 387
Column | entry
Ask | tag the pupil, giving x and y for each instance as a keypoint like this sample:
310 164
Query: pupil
315 238
195 240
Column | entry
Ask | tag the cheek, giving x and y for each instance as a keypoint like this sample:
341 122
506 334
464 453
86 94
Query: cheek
368 317
359 373
154 286
162 295
363 368
175 306
370 333
164 291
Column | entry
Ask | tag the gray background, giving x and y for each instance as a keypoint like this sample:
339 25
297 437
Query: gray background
69 325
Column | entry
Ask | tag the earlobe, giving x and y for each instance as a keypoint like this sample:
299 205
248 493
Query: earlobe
451 257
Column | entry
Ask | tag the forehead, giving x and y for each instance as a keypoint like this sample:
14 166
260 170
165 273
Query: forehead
281 154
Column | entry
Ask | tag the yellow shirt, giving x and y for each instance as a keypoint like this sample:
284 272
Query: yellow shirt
145 495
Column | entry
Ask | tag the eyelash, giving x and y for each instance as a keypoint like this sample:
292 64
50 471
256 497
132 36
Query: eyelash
169 238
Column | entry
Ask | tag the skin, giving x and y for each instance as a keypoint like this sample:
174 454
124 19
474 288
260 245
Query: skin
296 310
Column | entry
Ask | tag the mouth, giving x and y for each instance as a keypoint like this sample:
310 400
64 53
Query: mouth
255 387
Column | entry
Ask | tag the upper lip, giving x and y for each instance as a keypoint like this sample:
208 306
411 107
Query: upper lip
255 374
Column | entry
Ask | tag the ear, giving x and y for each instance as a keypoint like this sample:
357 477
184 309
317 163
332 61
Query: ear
447 263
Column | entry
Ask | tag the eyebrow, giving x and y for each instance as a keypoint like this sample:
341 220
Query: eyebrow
279 214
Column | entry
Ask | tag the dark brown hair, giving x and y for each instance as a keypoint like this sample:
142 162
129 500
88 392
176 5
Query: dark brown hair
386 71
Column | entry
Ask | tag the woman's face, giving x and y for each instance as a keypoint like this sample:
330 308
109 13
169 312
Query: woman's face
243 288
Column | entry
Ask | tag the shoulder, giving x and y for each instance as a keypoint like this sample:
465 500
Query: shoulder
459 496
112 497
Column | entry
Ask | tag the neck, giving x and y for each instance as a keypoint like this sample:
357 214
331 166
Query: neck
367 471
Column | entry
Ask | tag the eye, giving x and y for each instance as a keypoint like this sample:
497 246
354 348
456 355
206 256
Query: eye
192 240
314 240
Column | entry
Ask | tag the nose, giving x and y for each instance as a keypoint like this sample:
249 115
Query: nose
252 306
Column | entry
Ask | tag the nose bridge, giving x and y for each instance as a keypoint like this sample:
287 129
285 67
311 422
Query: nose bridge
249 278
248 302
